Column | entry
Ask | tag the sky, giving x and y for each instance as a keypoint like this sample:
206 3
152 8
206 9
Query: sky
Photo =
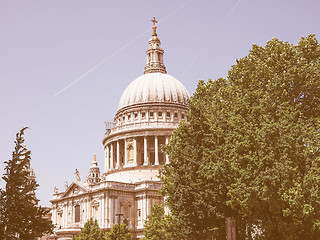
65 64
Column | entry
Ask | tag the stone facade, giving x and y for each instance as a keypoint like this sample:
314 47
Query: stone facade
149 110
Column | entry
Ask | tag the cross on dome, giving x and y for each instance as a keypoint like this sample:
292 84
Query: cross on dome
154 27
154 21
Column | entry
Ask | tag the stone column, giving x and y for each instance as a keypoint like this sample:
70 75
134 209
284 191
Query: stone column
144 207
107 159
156 151
114 210
54 215
88 209
110 211
167 157
116 215
107 201
125 153
149 205
134 151
118 154
129 217
102 212
145 145
111 156
85 210
65 215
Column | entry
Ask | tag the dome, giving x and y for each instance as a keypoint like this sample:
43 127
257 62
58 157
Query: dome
154 88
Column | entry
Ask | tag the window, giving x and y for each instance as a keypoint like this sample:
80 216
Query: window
143 115
151 114
182 116
176 115
168 115
136 115
159 114
123 118
129 117
77 213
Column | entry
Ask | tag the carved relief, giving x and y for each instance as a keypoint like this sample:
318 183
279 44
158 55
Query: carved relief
76 191
95 203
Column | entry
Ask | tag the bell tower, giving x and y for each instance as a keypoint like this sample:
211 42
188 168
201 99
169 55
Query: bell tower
94 173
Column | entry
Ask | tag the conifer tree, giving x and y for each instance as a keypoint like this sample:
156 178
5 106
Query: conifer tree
20 215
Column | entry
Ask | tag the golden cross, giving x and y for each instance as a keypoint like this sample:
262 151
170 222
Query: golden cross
154 21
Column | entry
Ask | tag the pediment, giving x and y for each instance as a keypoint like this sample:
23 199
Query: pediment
75 189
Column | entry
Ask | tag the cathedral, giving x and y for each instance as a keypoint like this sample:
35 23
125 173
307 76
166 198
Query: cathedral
149 109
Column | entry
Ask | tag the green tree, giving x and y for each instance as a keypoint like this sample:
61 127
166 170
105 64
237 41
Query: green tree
251 148
91 231
119 232
159 226
20 215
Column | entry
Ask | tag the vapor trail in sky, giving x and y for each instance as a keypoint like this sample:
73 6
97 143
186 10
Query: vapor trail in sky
100 63
212 34
120 49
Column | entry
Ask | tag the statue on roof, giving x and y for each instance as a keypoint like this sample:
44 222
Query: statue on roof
77 176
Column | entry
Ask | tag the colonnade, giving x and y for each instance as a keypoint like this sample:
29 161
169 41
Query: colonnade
135 151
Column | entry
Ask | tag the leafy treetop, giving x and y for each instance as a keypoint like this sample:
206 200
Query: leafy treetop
251 148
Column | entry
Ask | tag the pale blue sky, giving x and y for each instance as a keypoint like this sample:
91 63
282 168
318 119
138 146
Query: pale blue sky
46 45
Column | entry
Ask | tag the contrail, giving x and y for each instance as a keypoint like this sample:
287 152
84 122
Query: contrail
120 49
100 63
212 34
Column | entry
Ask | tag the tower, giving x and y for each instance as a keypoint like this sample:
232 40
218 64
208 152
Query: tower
94 173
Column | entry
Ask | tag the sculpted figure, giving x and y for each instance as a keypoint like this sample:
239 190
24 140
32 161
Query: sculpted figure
77 176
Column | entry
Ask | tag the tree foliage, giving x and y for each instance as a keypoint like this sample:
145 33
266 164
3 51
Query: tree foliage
119 232
91 231
160 226
20 215
251 148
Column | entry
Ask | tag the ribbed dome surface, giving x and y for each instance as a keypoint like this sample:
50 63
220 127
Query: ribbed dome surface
154 87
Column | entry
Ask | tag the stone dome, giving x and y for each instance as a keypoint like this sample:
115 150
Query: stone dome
154 88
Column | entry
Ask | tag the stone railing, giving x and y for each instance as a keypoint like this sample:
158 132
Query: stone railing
141 125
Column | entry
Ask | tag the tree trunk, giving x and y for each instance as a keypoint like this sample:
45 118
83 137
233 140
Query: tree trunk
231 228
